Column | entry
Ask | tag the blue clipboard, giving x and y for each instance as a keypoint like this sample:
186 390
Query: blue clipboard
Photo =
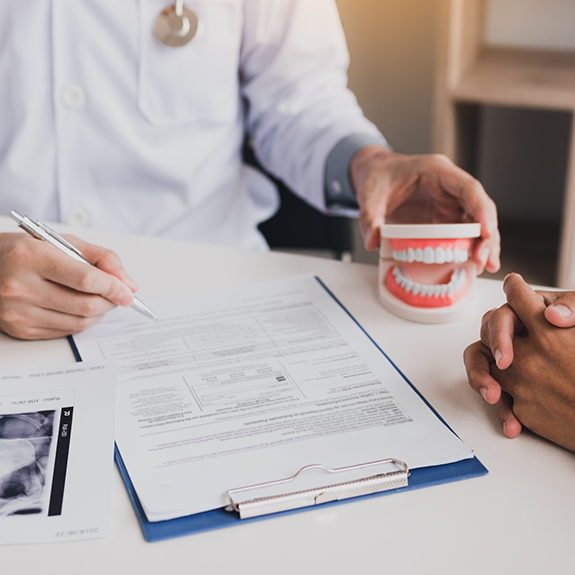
219 518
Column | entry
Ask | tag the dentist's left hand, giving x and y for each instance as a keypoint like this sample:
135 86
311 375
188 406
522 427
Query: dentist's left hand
395 188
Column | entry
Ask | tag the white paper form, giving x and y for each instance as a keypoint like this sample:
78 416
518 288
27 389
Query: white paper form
241 387
56 452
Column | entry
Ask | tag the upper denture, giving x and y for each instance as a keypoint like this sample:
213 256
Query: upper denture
428 255
429 251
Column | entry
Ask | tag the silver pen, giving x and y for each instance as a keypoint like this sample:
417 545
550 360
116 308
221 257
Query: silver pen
41 231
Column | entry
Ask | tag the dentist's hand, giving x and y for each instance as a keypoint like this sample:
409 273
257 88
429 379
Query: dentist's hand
46 294
394 188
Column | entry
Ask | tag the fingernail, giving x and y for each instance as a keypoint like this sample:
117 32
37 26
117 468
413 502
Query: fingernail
483 392
127 279
126 298
483 255
563 311
504 426
367 236
497 356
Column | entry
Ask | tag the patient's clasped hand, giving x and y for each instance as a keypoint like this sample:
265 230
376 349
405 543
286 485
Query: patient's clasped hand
524 363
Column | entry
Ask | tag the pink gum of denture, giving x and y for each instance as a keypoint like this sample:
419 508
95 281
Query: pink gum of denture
424 301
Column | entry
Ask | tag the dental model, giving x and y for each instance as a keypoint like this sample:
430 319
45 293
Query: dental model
425 272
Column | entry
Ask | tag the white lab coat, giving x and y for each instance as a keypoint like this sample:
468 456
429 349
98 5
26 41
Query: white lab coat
103 126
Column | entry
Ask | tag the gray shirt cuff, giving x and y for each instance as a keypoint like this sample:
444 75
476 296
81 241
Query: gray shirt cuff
339 190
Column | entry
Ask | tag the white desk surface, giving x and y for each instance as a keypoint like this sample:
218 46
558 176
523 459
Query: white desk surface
517 519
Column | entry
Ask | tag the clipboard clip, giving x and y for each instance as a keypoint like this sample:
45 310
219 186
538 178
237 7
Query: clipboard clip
266 498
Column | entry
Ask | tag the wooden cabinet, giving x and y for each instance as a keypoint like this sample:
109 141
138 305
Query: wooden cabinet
471 74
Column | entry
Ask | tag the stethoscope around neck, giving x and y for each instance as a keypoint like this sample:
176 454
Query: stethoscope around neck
176 25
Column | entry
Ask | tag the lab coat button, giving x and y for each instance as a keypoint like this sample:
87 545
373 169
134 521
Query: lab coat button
78 218
73 96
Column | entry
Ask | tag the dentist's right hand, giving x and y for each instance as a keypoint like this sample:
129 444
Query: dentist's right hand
45 294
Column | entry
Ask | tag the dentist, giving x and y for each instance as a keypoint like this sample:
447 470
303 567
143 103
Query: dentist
107 123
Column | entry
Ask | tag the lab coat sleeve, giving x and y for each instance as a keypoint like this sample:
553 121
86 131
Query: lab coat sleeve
294 81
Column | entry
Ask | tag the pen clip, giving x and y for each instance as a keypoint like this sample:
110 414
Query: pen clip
27 225
36 228
58 237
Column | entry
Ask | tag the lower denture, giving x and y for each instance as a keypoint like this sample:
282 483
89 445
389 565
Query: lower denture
439 295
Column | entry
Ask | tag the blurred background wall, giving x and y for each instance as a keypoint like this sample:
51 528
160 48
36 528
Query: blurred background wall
392 45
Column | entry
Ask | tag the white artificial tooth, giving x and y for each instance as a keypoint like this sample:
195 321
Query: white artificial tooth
436 291
418 255
439 255
450 289
408 285
448 255
401 275
410 255
423 290
394 271
404 255
416 288
460 256
428 255
443 289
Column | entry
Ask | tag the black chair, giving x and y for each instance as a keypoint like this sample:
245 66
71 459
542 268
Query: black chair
297 225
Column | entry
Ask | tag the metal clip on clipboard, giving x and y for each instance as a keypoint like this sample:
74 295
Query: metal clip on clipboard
266 498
